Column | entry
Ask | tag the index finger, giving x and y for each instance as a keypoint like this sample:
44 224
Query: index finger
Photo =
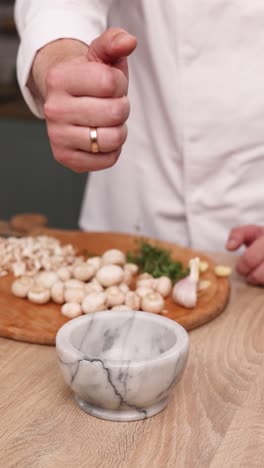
83 78
252 258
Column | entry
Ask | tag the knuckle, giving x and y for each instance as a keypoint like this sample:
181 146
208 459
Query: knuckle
54 134
54 78
60 156
113 158
119 135
49 110
108 82
120 110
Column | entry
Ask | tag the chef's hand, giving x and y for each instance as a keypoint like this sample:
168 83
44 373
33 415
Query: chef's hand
251 263
85 87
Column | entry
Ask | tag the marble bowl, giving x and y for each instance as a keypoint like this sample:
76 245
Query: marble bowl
122 365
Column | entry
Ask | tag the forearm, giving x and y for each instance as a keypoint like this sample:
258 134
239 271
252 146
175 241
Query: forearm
52 54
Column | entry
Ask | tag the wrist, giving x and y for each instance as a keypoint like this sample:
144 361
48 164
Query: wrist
52 54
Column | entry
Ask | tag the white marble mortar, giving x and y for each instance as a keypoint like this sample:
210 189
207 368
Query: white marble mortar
122 365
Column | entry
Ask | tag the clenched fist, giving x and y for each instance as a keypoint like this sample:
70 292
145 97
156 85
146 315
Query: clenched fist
85 88
251 263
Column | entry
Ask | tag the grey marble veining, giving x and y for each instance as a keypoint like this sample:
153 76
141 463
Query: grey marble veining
122 365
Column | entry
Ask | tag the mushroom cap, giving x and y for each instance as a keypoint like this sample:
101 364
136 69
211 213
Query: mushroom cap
109 275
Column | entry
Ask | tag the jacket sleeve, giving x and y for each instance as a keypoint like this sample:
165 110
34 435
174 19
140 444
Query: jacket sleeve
40 22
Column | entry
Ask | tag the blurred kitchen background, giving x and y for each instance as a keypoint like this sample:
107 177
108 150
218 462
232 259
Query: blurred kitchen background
30 179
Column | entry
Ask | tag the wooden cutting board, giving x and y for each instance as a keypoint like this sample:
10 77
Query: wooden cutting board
24 321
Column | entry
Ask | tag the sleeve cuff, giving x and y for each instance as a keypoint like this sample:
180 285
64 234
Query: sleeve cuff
48 27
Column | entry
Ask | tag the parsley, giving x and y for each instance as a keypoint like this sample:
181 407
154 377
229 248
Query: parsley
156 261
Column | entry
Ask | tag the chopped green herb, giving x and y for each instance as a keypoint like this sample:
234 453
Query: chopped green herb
156 261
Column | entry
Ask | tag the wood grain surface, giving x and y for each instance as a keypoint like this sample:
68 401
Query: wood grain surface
24 321
215 418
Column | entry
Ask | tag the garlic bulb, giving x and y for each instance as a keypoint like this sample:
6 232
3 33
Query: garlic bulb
185 291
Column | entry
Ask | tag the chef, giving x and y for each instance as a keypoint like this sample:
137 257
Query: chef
192 161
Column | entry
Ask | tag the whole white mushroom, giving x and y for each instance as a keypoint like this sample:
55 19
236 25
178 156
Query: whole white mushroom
74 283
96 262
74 295
132 300
57 292
64 273
46 279
21 286
163 285
114 297
153 302
93 286
38 294
143 291
131 267
113 257
84 271
110 275
71 309
94 302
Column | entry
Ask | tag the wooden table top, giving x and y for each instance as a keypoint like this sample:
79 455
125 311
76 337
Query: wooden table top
215 417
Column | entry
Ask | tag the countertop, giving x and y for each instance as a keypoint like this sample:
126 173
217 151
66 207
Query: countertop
215 417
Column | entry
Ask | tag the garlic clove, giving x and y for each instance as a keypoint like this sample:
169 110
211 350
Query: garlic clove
203 285
203 266
185 291
222 271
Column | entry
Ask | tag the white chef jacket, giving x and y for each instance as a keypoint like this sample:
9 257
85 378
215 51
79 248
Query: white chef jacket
193 164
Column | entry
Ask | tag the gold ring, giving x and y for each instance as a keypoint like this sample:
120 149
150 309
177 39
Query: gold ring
94 140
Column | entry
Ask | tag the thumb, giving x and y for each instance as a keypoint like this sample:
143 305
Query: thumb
113 47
